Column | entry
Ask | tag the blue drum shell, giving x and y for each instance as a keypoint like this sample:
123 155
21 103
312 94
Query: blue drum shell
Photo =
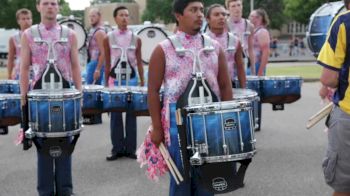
10 109
115 101
46 112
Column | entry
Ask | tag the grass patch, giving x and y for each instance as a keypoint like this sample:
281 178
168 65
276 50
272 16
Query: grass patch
310 72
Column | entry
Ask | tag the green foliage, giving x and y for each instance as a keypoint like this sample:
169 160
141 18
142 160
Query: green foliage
301 10
9 7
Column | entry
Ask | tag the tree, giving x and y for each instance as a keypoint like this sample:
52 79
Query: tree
301 10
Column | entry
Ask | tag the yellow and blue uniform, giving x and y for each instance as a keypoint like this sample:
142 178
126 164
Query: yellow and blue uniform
333 55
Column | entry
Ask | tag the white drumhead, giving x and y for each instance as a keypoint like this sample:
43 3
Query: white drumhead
79 30
150 36
240 93
330 9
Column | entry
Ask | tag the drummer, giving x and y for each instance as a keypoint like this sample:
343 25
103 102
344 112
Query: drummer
54 174
216 17
24 20
123 144
95 68
175 72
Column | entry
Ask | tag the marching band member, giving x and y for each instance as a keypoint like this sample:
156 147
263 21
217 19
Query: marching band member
24 20
243 29
174 72
123 38
261 43
95 68
54 174
216 16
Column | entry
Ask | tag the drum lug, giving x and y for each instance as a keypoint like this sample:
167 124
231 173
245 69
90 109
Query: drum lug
225 149
196 159
29 134
287 84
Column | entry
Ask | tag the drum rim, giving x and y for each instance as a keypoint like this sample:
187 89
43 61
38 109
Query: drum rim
61 93
70 20
252 92
95 87
284 77
114 89
5 96
9 82
208 106
147 27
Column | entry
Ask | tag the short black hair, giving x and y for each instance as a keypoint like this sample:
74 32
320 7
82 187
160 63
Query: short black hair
116 10
346 4
180 5
211 7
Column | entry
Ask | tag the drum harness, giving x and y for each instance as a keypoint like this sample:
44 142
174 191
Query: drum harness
91 35
51 79
122 70
198 92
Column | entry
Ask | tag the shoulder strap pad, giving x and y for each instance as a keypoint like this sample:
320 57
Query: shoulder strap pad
231 41
177 45
35 33
112 40
64 33
133 40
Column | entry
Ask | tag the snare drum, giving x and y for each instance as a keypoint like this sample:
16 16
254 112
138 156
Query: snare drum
55 113
138 98
10 109
251 96
9 86
115 99
220 131
92 103
252 82
150 37
281 89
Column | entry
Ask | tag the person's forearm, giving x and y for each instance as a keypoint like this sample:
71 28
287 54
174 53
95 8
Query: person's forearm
155 109
264 61
10 66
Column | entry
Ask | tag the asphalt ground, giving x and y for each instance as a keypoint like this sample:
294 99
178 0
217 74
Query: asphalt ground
287 163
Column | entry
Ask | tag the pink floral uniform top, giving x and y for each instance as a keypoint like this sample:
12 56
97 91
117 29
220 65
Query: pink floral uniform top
256 44
240 28
16 38
222 39
122 39
39 52
93 49
178 70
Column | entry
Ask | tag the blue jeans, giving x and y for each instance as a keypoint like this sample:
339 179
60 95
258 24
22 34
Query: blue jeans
191 187
123 143
54 175
257 66
90 70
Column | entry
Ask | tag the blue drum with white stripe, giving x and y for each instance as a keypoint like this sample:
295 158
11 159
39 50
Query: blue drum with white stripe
9 86
55 113
220 132
115 99
10 109
92 102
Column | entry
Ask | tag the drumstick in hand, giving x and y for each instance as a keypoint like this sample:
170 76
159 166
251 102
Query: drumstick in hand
177 172
313 120
168 164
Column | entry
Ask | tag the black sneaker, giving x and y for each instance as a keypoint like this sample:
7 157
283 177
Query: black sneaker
4 130
131 155
113 157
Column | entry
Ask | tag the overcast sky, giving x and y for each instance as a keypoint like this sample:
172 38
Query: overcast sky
78 4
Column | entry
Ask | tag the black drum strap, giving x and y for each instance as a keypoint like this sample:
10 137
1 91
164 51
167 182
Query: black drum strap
219 178
56 147
90 37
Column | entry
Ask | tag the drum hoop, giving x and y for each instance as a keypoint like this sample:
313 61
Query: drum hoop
5 96
229 106
9 82
77 22
232 157
92 88
151 27
42 94
114 89
58 134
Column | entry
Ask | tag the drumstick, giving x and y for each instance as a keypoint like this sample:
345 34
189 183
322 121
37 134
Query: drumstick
171 162
169 165
313 120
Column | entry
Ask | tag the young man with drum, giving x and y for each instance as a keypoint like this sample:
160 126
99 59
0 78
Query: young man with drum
122 45
95 68
243 29
216 18
54 174
24 20
334 57
174 72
